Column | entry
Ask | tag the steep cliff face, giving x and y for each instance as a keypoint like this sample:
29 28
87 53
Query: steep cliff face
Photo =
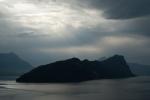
75 70
11 64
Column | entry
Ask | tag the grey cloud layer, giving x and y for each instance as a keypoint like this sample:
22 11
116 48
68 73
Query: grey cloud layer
125 30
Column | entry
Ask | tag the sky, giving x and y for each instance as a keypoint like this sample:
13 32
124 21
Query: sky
43 31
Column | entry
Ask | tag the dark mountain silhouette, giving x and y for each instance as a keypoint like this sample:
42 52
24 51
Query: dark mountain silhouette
74 70
11 64
139 69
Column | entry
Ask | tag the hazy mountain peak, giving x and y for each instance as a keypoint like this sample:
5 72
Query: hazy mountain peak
12 64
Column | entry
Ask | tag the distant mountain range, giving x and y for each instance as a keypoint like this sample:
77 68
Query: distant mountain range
75 70
11 64
139 69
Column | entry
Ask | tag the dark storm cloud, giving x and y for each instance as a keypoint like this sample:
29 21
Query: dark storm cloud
120 9
125 9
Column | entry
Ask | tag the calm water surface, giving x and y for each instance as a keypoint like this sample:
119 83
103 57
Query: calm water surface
137 88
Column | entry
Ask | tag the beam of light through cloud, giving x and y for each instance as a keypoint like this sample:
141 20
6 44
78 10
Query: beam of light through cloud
53 17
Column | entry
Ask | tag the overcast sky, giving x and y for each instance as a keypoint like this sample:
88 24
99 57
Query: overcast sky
42 31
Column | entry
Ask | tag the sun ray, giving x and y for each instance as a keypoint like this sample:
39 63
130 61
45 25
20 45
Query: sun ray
53 18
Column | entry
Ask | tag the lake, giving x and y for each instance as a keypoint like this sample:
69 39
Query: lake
137 88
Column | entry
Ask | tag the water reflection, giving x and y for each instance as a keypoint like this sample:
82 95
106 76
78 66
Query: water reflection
120 89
